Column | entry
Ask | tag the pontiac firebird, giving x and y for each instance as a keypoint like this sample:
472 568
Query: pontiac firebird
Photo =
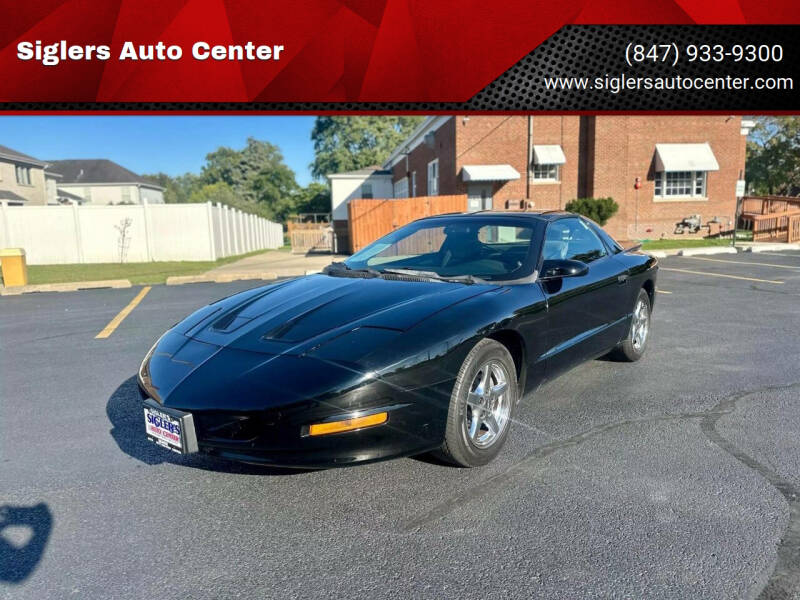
424 341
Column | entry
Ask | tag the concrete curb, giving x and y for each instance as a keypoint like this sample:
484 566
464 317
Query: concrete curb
765 247
73 286
220 278
692 251
709 250
757 247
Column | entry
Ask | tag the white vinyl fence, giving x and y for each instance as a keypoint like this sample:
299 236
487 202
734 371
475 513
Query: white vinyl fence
134 233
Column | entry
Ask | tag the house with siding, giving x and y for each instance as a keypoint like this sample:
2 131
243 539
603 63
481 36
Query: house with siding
23 181
101 181
659 169
369 182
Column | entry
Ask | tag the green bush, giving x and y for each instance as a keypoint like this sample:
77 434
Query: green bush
599 210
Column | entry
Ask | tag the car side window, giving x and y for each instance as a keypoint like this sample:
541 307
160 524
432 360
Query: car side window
572 239
611 243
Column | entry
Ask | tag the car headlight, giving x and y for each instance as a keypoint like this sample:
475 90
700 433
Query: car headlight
144 368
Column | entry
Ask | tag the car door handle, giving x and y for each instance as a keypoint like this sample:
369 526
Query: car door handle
623 278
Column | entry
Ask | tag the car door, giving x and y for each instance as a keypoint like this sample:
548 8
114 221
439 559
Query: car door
584 312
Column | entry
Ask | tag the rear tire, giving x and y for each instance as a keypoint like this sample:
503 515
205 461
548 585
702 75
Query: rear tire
482 405
633 346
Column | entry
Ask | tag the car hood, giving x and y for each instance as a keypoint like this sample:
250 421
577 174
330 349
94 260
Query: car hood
294 316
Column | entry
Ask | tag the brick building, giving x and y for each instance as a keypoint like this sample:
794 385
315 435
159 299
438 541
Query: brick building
686 165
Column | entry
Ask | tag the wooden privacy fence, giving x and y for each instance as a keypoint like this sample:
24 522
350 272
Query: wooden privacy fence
311 236
311 240
369 219
794 229
772 218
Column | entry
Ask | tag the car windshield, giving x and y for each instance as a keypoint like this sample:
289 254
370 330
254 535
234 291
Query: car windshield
488 248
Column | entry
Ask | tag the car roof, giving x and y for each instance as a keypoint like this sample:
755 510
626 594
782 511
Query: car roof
546 215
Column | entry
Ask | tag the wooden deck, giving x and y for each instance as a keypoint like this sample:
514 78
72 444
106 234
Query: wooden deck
771 218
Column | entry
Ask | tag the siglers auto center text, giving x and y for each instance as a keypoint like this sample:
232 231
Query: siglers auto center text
53 54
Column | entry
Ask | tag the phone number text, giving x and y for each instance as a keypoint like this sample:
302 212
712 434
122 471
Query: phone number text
672 53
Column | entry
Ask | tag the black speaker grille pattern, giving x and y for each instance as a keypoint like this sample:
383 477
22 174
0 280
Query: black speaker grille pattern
597 51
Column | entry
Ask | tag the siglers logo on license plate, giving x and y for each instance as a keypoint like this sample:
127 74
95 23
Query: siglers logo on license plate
163 430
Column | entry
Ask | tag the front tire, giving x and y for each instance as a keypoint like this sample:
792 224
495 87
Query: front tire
482 404
633 346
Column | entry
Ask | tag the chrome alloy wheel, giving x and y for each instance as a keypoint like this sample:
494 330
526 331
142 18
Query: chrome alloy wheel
640 324
488 405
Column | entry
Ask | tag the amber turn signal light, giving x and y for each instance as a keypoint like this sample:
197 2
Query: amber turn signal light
348 424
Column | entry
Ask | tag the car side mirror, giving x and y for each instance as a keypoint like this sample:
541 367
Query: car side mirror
557 268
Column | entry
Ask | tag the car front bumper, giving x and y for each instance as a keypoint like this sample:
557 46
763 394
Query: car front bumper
279 436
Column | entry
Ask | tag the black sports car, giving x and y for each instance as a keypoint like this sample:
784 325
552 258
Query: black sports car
425 340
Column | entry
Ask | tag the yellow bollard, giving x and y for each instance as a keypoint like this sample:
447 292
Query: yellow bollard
14 267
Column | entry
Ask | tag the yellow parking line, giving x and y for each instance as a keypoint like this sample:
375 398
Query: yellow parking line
721 275
663 292
744 262
114 323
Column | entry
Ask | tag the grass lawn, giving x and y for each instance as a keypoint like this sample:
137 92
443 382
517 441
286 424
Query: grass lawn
137 273
670 244
741 236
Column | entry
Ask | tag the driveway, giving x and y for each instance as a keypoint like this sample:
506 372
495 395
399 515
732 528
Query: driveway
675 477
280 262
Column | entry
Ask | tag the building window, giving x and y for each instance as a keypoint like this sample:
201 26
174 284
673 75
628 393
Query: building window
546 172
366 190
401 188
126 195
23 175
700 183
681 184
433 178
413 184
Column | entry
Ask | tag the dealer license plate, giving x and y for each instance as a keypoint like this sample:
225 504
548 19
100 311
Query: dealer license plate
171 429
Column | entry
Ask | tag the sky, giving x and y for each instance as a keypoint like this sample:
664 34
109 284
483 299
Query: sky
145 144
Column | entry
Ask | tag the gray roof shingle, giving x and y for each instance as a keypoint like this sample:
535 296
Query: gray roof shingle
9 195
7 152
95 170
366 171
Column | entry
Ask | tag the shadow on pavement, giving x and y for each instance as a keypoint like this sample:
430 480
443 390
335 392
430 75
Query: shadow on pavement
124 410
24 532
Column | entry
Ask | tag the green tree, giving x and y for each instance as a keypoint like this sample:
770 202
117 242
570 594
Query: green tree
178 189
773 156
254 179
256 172
599 210
349 143
161 179
314 198
257 176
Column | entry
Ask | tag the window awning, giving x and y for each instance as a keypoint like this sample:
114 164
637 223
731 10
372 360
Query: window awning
548 155
489 173
685 157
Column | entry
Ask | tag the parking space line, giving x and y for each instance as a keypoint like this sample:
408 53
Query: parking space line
707 273
744 262
663 292
778 254
114 323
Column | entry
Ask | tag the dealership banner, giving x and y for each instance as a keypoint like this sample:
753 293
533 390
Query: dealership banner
404 55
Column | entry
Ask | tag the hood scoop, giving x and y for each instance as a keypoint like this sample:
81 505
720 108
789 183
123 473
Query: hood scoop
302 310
232 320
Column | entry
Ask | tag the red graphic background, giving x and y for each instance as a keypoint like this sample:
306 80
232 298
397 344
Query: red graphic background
335 50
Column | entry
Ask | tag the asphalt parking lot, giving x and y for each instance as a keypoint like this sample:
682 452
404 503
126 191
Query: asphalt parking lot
675 477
